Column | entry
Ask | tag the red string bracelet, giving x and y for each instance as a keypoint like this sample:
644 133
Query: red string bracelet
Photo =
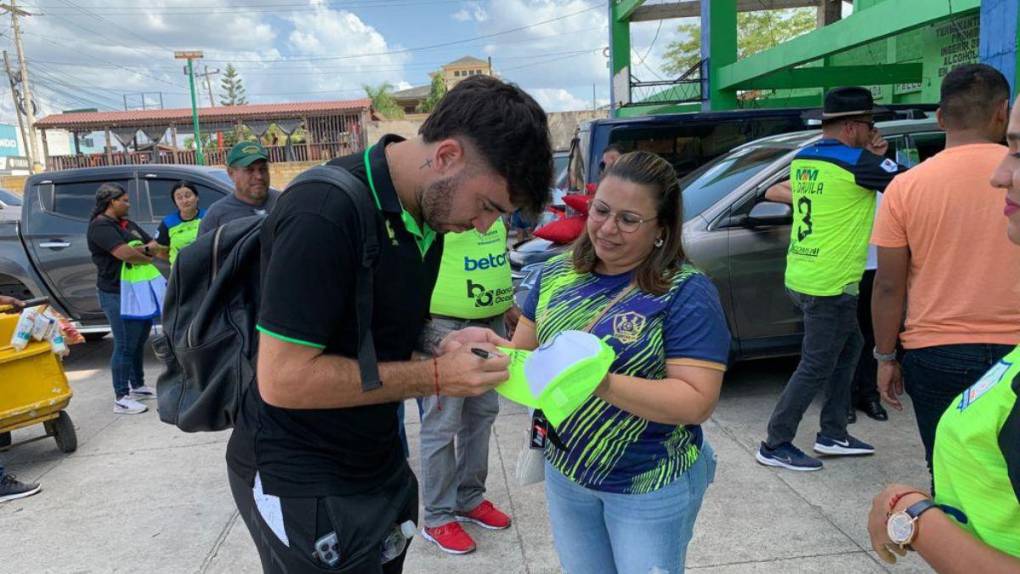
896 499
435 370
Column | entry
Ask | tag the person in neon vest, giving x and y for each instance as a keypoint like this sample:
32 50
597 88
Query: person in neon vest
179 230
973 523
114 240
474 289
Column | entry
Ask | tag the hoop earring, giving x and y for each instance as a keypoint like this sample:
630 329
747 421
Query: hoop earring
659 242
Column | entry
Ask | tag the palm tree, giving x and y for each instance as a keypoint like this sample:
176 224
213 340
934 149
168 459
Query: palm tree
382 100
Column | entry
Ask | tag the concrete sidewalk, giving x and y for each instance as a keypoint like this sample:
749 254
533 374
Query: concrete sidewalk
140 496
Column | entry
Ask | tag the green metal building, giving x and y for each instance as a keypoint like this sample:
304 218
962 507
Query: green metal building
901 49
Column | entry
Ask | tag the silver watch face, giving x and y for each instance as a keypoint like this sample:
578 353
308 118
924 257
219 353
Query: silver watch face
900 527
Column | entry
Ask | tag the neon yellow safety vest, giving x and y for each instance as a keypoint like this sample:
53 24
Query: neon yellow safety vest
977 445
833 188
474 276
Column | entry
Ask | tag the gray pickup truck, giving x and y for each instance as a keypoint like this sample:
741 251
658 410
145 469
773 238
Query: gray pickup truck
44 254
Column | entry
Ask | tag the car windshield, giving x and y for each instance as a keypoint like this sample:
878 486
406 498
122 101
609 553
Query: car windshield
711 182
9 198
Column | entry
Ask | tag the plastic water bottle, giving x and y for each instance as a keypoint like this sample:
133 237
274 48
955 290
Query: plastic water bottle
395 542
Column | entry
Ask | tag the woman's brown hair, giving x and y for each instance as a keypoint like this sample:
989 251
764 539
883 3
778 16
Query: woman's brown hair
654 274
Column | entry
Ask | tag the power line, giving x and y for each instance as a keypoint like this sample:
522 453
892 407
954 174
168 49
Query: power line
110 64
421 48
114 24
112 10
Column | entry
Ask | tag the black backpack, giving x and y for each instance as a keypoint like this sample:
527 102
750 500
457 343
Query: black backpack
209 346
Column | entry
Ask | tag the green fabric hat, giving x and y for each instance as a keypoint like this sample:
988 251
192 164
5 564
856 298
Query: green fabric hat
244 154
559 376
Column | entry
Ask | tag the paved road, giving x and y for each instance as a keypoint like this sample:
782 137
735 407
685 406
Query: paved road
139 496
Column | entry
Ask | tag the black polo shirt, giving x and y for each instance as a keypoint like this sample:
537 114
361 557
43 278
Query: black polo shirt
103 236
309 261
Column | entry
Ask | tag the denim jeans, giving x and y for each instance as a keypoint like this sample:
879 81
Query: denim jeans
934 376
607 533
129 338
832 345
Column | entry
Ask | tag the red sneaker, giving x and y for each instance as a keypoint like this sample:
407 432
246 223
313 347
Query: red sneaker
450 538
486 515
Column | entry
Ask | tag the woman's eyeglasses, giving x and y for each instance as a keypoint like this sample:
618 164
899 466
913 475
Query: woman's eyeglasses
626 221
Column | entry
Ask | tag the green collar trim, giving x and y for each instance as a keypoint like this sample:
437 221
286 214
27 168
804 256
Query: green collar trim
423 235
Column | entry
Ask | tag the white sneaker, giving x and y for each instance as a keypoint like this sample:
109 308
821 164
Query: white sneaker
128 406
143 393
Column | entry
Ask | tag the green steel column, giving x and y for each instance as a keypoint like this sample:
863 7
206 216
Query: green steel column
619 56
719 45
199 158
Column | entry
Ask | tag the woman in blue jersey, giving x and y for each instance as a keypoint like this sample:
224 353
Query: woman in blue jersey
179 230
627 471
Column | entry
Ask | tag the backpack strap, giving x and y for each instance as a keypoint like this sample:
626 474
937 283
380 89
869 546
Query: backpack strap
363 283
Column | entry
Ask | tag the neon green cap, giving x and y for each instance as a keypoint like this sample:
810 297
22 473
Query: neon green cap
559 376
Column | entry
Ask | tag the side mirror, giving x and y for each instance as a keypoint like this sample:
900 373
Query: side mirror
770 213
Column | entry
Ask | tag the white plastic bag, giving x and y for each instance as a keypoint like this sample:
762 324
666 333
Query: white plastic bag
530 467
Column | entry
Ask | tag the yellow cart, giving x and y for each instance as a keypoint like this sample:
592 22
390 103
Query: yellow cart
33 389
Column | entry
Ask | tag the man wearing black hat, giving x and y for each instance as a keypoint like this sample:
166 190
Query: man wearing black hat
248 166
833 185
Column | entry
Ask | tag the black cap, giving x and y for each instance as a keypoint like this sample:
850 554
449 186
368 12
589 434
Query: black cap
844 103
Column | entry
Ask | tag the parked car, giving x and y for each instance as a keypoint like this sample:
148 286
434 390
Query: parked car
689 141
740 240
45 253
10 206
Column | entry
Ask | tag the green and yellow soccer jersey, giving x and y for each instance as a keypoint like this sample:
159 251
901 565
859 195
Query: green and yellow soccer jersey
177 233
976 462
833 187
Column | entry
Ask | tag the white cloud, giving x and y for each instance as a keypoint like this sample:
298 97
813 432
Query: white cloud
471 12
558 100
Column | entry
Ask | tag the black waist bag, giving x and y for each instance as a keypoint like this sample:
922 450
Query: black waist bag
209 345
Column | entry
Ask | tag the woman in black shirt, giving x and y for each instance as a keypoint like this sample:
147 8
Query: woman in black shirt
109 235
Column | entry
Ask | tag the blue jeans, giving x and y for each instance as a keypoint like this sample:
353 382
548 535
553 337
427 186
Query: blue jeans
129 338
934 376
828 358
607 533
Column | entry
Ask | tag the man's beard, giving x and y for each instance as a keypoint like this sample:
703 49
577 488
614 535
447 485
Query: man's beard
437 201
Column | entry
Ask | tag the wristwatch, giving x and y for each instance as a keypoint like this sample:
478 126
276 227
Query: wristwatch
902 526
883 357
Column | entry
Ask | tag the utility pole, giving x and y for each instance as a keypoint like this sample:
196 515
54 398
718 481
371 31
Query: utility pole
31 144
190 56
17 108
208 85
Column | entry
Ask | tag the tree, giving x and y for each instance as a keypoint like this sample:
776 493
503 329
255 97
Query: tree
436 93
756 31
383 102
233 86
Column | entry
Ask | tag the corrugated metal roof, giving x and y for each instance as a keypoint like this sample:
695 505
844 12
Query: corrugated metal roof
182 116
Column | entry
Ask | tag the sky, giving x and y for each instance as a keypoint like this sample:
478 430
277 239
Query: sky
92 54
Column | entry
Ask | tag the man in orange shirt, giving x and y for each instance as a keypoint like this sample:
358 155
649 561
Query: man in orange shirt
943 257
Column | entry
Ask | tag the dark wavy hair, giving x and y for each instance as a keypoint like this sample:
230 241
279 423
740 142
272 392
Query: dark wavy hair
655 274
104 195
509 130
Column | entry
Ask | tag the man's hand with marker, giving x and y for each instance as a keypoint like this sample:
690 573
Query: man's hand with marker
469 363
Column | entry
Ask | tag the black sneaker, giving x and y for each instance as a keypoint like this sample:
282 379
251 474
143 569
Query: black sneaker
787 456
11 488
849 446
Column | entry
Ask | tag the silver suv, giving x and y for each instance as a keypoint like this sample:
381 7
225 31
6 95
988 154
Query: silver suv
740 240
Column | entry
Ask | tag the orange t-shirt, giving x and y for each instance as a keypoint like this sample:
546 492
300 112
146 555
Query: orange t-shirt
963 285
